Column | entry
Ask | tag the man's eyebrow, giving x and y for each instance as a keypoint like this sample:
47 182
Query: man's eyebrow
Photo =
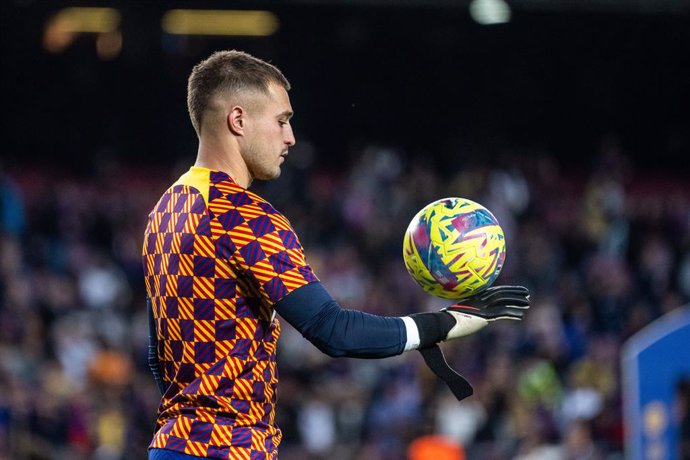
286 114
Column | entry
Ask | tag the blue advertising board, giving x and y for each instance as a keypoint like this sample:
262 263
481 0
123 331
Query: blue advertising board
654 362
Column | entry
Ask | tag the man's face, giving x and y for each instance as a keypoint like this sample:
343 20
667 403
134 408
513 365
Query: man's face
269 134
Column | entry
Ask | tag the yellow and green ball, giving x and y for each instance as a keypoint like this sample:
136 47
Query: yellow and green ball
454 247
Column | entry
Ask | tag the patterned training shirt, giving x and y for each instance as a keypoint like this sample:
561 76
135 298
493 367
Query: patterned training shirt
216 259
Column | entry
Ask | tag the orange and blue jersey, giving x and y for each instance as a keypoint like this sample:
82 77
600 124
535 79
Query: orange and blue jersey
217 258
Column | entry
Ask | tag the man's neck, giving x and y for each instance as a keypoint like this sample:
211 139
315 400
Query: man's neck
227 158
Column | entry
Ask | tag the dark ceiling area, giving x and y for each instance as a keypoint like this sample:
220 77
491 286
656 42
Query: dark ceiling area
421 76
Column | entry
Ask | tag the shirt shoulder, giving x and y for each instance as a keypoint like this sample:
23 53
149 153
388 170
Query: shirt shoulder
198 179
257 238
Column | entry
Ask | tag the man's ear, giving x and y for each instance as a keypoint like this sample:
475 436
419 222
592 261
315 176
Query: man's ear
236 120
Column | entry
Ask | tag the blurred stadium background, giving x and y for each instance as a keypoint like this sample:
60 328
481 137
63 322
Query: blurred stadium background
570 120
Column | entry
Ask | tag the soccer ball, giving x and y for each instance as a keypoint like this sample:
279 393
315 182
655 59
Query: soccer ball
454 248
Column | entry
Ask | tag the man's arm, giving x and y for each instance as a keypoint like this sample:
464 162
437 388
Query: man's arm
341 332
154 363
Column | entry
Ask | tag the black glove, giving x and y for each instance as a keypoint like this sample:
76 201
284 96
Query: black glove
497 302
471 314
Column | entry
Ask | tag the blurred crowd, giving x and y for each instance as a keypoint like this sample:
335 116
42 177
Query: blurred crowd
604 248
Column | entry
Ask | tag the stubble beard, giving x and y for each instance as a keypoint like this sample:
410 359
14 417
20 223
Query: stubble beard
260 164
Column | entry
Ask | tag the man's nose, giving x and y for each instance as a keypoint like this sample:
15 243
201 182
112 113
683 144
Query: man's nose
290 137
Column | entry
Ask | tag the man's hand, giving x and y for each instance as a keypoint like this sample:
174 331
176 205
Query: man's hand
462 318
497 302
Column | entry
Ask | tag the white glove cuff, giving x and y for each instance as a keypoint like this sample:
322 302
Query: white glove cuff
465 324
413 339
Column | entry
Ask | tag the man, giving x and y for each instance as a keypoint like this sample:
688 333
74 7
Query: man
220 261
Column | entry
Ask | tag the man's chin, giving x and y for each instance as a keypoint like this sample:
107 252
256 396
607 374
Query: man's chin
272 175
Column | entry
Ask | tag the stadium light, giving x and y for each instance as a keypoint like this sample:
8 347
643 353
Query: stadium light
220 22
67 24
87 20
487 12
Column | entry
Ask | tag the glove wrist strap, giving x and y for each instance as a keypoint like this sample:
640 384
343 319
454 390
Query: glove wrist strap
458 385
433 327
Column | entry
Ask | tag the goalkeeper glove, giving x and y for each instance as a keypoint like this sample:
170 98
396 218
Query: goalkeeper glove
475 312
471 314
